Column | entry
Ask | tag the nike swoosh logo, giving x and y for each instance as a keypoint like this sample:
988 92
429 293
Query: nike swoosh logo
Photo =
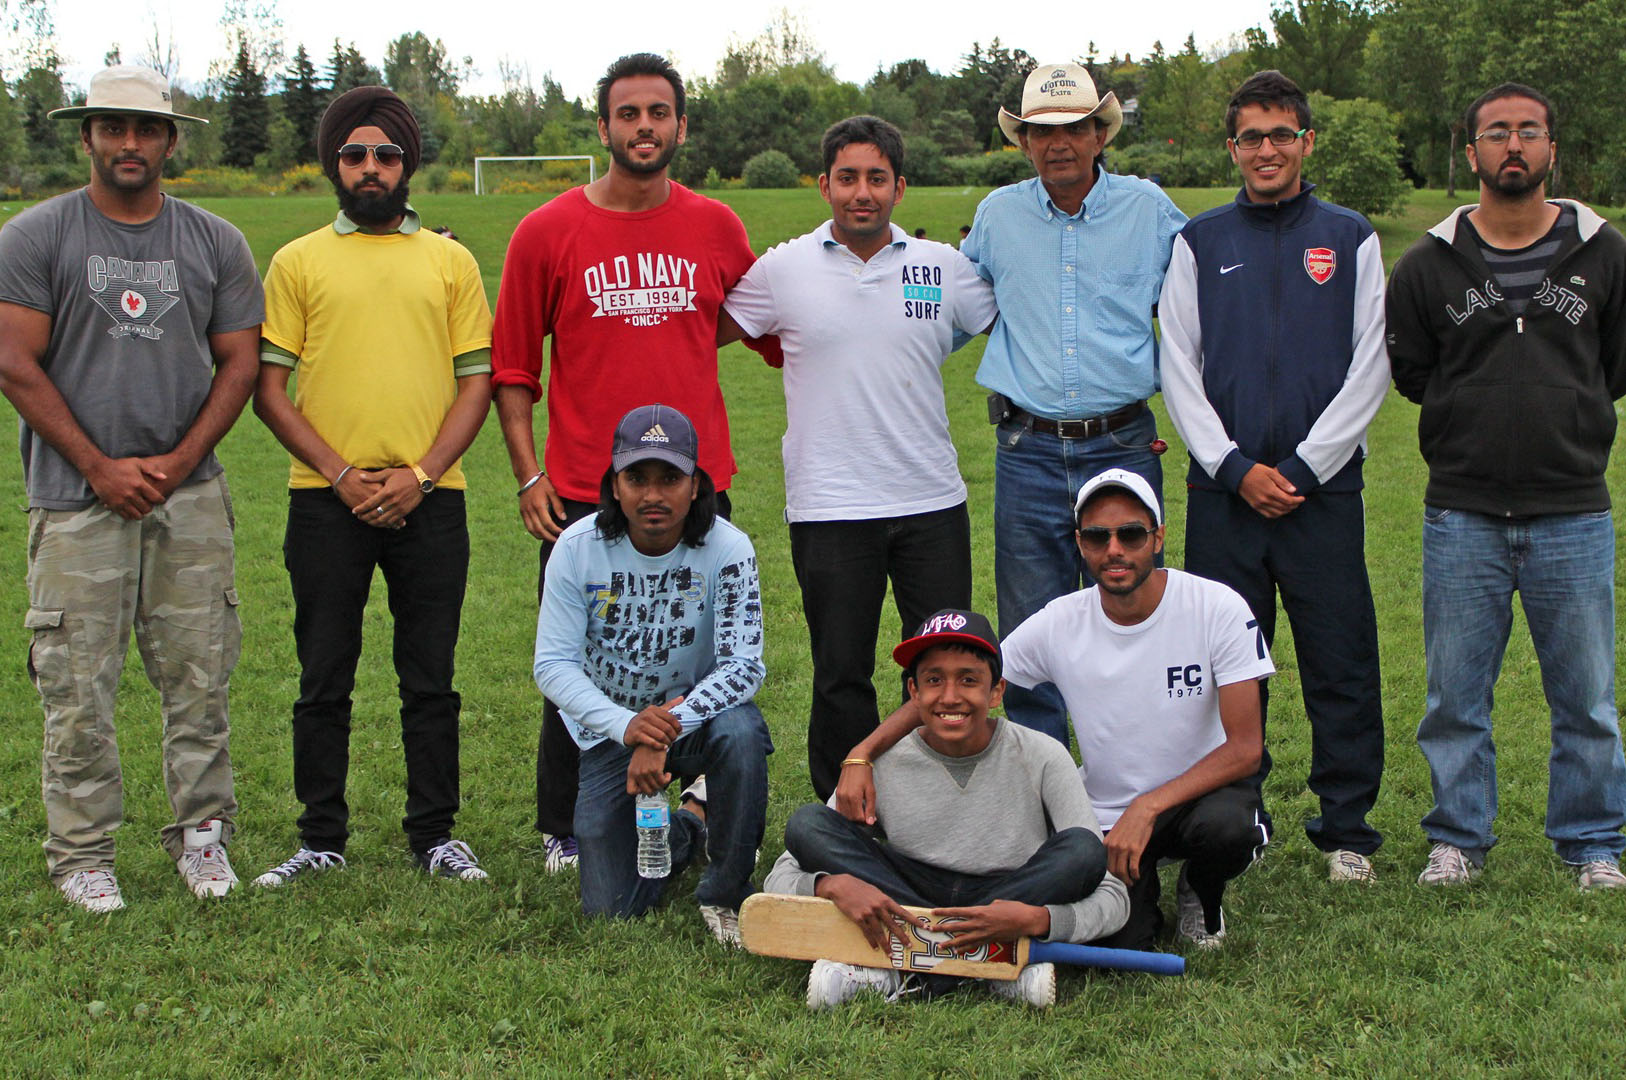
1228 269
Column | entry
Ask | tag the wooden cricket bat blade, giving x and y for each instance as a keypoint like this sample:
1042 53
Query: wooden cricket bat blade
809 928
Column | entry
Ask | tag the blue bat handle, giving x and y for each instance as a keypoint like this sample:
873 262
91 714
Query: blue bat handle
1156 963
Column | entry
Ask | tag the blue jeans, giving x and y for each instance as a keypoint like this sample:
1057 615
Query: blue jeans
1036 479
732 750
1563 567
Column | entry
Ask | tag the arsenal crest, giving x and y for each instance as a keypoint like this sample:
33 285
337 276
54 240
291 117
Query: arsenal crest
1320 263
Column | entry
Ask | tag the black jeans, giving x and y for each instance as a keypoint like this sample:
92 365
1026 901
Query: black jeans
843 567
330 558
558 759
1066 868
1219 835
1316 556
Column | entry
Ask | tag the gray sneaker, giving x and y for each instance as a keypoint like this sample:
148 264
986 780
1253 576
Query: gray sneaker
1447 865
1599 874
1193 923
1345 865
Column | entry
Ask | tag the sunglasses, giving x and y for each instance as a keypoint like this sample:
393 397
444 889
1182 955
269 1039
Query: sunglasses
387 154
1131 537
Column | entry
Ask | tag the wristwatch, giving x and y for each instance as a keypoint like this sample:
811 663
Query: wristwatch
425 484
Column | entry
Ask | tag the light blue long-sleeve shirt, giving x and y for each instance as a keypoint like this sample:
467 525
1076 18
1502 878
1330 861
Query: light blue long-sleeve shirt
1074 335
619 631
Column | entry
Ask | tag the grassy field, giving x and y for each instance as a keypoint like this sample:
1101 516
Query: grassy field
380 972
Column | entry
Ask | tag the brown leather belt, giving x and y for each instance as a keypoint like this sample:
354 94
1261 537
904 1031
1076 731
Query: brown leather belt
1087 428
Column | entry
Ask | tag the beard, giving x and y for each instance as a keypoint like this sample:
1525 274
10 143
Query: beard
372 207
643 168
1514 184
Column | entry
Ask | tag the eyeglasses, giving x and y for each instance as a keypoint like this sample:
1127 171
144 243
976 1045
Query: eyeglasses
1252 140
1501 135
387 154
1131 537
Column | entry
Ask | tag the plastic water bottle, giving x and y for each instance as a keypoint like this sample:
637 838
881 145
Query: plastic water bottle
654 852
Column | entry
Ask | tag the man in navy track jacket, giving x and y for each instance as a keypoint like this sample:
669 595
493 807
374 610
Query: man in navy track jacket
1273 367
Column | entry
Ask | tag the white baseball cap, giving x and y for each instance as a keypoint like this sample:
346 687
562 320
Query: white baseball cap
1134 483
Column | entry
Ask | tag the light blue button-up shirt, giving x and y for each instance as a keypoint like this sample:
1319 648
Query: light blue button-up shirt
1074 336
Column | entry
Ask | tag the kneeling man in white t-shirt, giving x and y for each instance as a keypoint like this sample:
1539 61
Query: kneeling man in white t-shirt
1160 671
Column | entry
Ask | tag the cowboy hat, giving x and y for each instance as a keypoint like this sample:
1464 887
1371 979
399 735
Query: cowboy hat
1061 94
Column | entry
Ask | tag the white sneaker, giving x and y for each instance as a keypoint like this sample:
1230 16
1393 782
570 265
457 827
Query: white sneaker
1599 874
723 922
1447 865
831 983
1036 986
97 891
452 859
305 861
1345 865
561 853
1193 924
203 861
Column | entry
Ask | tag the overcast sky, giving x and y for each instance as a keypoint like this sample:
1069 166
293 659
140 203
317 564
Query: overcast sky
576 41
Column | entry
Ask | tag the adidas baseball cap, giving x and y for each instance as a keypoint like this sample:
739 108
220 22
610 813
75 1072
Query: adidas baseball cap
951 626
655 432
1134 483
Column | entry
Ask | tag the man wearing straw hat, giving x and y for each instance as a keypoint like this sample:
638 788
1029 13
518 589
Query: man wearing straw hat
1076 256
129 324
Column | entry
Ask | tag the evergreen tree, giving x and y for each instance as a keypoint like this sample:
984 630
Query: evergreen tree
348 69
302 103
248 114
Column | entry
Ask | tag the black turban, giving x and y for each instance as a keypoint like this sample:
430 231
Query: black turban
367 106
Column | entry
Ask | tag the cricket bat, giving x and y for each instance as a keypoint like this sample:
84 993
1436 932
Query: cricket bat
810 928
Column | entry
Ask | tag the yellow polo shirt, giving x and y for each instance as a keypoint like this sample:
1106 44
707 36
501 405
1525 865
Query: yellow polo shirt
378 329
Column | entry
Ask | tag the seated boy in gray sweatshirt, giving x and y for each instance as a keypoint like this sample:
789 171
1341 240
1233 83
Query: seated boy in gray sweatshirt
975 817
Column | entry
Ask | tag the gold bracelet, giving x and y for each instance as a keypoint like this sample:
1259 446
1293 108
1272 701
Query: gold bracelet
858 761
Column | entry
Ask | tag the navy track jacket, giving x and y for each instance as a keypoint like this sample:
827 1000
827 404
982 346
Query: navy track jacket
1273 341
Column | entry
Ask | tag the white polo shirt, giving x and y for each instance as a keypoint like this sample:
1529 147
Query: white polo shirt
867 434
1145 698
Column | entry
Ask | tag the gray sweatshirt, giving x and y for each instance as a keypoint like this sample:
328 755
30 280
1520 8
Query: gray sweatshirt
984 814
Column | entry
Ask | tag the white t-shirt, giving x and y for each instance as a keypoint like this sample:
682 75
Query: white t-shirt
1144 698
864 342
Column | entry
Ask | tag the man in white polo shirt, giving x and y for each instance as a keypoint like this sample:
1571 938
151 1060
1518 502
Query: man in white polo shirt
866 315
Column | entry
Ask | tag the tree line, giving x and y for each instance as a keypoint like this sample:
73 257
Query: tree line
1389 80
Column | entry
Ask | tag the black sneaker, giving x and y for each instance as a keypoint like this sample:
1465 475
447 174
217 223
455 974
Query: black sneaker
451 859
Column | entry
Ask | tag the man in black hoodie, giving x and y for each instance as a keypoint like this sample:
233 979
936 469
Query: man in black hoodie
1507 324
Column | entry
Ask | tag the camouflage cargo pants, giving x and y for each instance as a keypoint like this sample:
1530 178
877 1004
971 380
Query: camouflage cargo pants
92 577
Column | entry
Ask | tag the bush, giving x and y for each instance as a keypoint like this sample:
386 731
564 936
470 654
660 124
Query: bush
303 180
1202 167
996 168
1356 161
217 181
713 179
771 169
459 180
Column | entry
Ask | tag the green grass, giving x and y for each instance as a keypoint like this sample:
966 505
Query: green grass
379 972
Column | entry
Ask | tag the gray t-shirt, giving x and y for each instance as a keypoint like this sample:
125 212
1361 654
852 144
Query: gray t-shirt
1021 788
132 308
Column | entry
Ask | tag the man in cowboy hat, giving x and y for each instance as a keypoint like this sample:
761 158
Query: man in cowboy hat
375 479
128 330
1076 256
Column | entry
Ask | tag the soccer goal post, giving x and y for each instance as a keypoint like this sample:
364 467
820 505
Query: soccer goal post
479 179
